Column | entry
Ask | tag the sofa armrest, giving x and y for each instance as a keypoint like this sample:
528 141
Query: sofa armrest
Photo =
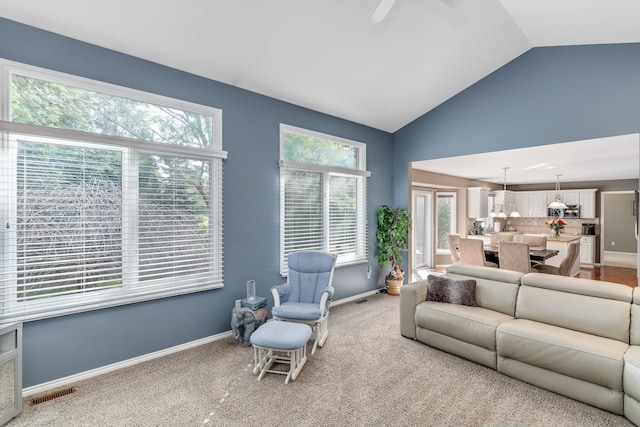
410 296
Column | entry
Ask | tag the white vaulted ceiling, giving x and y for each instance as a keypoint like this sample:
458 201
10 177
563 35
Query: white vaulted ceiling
325 55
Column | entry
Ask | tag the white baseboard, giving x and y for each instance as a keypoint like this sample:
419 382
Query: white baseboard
354 298
66 381
620 259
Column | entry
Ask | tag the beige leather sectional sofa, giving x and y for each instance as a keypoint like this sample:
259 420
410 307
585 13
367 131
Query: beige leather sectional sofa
576 337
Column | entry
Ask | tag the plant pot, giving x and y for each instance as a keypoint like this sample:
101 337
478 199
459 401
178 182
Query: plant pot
393 286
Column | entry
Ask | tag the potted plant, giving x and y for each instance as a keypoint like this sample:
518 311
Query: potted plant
392 237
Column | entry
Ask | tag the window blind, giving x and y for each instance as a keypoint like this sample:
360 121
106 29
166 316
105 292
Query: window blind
174 215
302 213
343 215
68 220
323 211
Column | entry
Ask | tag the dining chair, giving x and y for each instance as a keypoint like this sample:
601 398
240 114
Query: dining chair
535 241
454 240
564 269
514 256
496 238
472 252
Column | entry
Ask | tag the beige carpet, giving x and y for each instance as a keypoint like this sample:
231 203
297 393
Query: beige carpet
367 374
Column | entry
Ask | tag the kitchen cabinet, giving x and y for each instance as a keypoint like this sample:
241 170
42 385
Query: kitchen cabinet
551 196
585 198
522 203
531 203
568 197
588 203
571 197
538 204
587 251
504 196
477 202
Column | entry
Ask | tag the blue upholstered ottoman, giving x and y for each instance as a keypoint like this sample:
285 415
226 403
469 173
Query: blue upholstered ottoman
280 342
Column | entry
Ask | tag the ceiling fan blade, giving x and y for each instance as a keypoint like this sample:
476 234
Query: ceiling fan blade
381 11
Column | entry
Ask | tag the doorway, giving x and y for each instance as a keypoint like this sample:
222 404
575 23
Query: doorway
422 241
434 216
618 229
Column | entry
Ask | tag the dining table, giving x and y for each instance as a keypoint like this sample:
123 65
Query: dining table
534 254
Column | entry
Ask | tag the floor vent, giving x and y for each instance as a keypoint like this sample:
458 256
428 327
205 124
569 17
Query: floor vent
51 396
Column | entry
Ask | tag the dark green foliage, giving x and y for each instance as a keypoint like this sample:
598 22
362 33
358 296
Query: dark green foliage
305 149
392 237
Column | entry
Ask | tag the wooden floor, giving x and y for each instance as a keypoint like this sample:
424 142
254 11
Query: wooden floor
624 275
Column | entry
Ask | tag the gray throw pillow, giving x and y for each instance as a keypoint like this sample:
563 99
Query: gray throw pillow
444 289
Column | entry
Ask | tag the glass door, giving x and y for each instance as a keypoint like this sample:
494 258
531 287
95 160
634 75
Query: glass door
422 242
446 220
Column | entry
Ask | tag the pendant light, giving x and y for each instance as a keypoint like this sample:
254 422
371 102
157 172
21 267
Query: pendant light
502 213
511 208
557 203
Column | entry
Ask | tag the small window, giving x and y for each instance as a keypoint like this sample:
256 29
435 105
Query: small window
38 101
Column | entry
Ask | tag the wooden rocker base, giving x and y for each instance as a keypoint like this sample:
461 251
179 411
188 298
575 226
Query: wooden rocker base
266 357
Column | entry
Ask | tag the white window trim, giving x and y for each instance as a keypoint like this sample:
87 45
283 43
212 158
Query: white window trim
361 146
9 67
109 297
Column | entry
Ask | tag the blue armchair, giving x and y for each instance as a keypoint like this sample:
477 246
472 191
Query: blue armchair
306 296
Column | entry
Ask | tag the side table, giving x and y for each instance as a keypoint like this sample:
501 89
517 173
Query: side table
258 302
247 318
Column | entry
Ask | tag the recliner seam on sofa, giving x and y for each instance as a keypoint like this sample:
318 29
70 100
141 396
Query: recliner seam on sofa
557 345
473 320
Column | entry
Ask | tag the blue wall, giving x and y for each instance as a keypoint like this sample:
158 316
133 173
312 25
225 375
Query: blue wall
59 347
545 96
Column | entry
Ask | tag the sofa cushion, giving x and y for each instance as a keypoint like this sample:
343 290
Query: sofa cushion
577 304
495 289
576 354
447 290
475 325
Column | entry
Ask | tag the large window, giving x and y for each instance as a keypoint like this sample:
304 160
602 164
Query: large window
109 195
323 195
